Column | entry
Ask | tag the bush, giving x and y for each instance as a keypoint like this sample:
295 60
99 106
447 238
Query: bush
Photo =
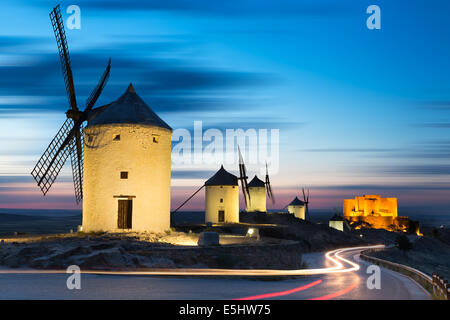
435 233
402 242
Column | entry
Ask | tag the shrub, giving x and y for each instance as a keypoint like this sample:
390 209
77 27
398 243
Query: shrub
402 242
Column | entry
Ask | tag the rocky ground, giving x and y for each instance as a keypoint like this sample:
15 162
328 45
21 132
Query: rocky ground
313 236
143 251
283 240
430 253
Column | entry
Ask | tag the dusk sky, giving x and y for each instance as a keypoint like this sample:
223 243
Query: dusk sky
359 111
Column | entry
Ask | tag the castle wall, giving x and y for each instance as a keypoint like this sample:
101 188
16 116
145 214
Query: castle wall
370 205
144 152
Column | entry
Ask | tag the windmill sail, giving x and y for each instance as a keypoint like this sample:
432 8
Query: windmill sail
243 178
98 89
69 139
306 201
268 186
77 166
63 48
47 168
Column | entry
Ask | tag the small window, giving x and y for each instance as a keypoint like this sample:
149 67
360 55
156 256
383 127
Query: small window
155 138
116 137
221 200
90 138
124 175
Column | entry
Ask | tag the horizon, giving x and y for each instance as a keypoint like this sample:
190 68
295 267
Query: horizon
356 113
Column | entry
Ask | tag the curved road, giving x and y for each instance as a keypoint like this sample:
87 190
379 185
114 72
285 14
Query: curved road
338 274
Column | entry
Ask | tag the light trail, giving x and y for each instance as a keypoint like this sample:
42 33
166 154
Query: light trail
332 256
281 293
337 293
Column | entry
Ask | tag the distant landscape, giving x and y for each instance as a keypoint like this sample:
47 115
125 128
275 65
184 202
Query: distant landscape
48 221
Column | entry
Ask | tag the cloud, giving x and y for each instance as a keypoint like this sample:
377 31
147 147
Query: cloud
386 187
347 150
437 125
11 179
435 149
230 8
435 104
412 170
174 84
192 174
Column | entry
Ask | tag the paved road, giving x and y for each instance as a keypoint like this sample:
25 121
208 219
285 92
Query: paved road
347 281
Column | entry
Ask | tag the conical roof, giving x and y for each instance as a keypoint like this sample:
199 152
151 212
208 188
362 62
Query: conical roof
256 183
222 178
297 202
129 108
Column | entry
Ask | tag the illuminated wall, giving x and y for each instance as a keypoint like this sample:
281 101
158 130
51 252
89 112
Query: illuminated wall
374 210
297 211
222 198
144 153
370 205
257 200
336 224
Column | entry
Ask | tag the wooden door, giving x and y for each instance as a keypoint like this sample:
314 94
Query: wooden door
221 215
125 214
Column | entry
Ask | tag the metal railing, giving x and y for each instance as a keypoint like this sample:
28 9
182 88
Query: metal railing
423 279
441 288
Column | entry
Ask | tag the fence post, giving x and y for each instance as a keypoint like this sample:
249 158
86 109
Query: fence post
446 287
434 283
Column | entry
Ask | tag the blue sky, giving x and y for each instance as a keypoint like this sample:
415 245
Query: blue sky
359 111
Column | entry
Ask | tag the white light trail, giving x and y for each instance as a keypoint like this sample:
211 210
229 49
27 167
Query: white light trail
333 256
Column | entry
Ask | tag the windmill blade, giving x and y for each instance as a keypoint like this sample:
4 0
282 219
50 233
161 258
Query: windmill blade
307 205
49 165
64 57
99 88
243 177
269 187
76 157
269 190
244 185
267 182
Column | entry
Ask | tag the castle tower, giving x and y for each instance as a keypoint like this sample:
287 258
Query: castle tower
127 160
257 191
222 198
297 208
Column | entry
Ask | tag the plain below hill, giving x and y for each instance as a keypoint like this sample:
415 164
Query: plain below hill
22 223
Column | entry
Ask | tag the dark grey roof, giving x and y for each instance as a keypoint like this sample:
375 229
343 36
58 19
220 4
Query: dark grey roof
129 108
296 202
222 178
336 218
255 183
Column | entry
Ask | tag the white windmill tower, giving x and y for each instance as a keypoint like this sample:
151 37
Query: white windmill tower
257 192
120 161
127 159
222 198
299 208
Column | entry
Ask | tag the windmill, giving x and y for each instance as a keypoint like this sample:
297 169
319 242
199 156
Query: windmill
69 139
243 178
306 201
268 187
